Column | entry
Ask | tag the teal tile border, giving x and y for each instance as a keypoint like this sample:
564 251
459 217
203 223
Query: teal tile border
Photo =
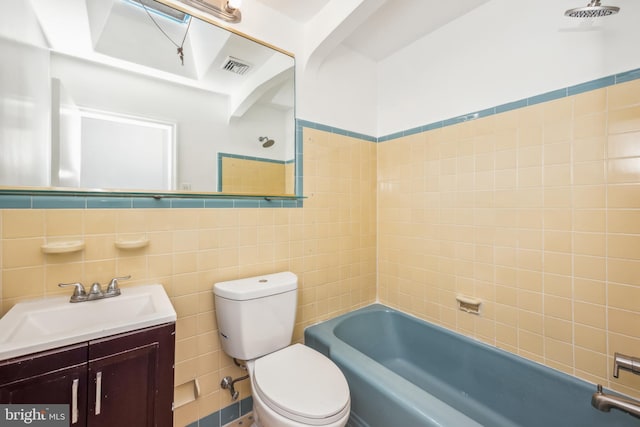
544 97
110 203
48 201
150 203
331 129
257 159
592 85
92 202
58 202
15 202
521 103
225 415
511 106
299 158
187 203
628 76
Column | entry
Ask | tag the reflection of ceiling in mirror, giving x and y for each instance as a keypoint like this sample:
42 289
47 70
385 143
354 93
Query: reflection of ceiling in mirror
122 33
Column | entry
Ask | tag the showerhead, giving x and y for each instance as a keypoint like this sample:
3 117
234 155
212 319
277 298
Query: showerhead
266 142
593 10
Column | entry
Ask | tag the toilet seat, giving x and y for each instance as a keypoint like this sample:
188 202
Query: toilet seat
302 385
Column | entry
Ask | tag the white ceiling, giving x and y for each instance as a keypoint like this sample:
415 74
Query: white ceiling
124 35
386 27
298 10
396 24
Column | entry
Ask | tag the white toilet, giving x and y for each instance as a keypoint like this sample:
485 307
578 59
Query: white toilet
292 385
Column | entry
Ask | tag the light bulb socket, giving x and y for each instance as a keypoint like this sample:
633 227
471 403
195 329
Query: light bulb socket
232 5
223 9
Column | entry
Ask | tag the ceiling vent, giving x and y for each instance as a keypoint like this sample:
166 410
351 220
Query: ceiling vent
235 65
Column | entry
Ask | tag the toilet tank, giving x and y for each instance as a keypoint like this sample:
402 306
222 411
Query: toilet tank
256 315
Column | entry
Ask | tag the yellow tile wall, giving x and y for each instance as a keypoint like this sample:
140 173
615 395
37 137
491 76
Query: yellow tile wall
535 211
245 176
290 178
330 244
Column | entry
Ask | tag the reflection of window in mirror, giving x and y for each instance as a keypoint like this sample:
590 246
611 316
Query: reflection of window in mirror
125 152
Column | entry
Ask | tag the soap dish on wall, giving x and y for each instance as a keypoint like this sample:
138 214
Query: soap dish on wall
469 304
135 243
63 247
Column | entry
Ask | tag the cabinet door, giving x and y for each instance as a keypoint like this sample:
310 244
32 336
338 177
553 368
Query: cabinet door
52 377
131 379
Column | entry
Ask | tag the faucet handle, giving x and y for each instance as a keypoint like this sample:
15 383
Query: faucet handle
79 293
112 288
96 291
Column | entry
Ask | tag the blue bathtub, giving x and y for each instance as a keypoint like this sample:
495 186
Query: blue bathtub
404 372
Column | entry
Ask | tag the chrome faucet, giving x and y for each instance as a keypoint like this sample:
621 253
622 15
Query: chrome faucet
621 361
605 402
95 292
80 294
112 288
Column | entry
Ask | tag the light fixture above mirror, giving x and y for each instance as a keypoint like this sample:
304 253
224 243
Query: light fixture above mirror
227 10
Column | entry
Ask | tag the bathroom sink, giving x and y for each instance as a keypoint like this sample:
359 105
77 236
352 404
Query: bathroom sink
43 324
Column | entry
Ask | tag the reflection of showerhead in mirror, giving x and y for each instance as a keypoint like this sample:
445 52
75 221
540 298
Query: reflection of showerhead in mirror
266 141
593 10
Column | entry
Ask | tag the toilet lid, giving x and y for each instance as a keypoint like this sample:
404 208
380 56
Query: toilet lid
301 384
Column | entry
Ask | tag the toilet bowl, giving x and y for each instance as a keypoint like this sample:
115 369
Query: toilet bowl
297 386
292 385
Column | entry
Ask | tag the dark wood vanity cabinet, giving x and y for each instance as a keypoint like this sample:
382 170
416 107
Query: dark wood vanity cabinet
56 376
125 379
131 379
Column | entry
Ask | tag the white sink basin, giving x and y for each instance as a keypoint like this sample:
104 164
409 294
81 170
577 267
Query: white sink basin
43 324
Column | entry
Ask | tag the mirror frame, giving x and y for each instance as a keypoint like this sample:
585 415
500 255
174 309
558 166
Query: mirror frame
237 200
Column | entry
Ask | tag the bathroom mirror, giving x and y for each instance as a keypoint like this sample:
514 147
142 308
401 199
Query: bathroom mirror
124 96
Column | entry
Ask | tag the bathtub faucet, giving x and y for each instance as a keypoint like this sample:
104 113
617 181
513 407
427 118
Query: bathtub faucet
605 402
625 362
